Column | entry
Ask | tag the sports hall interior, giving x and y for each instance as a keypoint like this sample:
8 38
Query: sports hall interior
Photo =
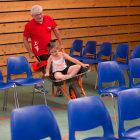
114 21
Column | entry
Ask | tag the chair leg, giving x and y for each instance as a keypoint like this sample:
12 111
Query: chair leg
16 96
33 94
96 75
44 93
5 100
113 83
114 112
85 75
96 81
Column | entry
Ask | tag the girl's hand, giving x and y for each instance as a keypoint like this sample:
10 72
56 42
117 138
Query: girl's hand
85 65
46 74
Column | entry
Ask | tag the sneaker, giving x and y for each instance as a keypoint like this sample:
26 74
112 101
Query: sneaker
40 89
60 92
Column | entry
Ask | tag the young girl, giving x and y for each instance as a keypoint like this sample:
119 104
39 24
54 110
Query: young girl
59 68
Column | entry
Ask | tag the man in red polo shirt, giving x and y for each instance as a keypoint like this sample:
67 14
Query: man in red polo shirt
39 30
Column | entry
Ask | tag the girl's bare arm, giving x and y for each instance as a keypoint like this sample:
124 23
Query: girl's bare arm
48 67
74 60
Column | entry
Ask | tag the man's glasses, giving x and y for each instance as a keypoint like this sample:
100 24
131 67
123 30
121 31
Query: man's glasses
37 15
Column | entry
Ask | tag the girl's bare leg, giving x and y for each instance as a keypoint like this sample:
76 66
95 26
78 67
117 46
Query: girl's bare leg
60 76
73 70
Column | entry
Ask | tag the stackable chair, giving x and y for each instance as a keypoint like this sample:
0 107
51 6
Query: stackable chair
34 123
109 72
5 86
121 51
129 109
135 52
90 48
18 65
76 47
104 50
87 113
134 72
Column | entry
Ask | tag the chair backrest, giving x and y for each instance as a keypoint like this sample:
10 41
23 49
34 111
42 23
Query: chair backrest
105 49
76 46
86 113
108 72
135 52
128 107
34 123
90 47
18 65
121 51
134 70
1 77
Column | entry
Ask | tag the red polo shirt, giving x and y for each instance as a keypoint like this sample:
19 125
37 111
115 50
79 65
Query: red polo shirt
40 34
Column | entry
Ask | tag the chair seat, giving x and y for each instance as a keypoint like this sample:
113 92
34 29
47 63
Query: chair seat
88 58
133 132
114 90
136 85
102 60
5 85
26 81
77 57
90 61
124 66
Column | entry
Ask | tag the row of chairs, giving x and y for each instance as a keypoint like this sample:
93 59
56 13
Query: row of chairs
85 113
111 71
18 65
105 49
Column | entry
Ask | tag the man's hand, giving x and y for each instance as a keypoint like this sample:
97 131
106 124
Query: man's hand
46 74
31 54
62 47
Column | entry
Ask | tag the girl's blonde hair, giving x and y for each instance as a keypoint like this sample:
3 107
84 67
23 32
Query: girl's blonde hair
52 45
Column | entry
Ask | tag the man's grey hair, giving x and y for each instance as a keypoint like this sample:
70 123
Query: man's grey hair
36 9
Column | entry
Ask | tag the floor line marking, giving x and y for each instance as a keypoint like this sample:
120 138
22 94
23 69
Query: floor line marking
55 109
66 137
5 118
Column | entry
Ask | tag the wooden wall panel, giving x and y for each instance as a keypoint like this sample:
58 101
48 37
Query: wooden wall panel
72 13
122 38
75 23
53 4
77 32
102 21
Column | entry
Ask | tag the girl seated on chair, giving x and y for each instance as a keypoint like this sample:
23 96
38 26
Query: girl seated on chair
59 68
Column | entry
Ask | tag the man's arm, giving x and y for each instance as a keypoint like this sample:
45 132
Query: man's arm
27 46
57 34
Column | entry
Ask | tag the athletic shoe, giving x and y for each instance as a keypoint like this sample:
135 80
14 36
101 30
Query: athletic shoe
60 92
40 89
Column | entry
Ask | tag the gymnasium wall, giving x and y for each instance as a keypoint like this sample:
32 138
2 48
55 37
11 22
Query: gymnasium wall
115 21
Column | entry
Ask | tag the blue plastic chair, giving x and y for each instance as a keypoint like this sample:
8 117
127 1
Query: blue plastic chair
87 113
129 109
90 48
108 72
76 47
121 51
135 52
18 65
34 123
104 50
134 72
6 86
